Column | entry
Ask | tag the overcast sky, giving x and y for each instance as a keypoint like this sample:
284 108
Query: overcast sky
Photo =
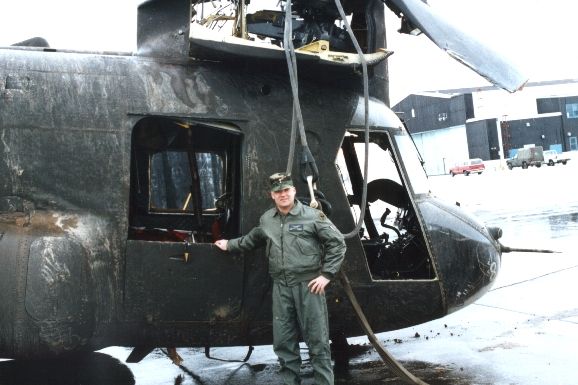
537 36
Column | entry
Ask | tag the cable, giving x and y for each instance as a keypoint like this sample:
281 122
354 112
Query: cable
398 369
534 278
355 231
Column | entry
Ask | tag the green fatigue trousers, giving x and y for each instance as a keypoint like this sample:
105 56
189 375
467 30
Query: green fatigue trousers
296 309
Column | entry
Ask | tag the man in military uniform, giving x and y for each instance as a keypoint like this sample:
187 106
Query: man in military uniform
305 252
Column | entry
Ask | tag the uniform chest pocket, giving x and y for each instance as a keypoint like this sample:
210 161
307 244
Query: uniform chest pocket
304 243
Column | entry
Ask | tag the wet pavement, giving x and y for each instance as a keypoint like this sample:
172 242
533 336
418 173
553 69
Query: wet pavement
523 332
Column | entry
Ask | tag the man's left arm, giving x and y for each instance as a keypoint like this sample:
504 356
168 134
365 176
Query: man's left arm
333 245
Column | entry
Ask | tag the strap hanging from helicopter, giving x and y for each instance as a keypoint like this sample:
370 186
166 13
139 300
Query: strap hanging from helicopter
307 162
307 159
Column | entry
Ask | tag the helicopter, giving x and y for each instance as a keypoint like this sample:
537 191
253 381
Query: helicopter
118 171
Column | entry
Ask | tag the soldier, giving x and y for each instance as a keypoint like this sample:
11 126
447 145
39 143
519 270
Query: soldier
305 252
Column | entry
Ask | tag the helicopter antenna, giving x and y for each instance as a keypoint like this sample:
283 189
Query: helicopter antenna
506 249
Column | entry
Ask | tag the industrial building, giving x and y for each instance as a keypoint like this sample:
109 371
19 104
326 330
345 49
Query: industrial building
446 128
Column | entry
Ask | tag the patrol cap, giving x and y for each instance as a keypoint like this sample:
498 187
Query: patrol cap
280 181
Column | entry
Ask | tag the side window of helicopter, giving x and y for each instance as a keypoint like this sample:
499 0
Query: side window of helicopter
184 180
391 235
171 186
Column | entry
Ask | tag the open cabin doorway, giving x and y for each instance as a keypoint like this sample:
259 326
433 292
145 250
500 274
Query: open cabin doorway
184 194
391 235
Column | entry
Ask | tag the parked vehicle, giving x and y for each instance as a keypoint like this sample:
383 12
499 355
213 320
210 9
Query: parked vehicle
467 167
551 157
526 157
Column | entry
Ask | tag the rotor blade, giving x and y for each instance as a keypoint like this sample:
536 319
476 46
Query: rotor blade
460 45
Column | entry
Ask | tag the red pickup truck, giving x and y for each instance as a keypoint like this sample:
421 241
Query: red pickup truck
468 167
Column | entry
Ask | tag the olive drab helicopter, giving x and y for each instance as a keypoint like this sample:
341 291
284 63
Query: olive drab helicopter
118 171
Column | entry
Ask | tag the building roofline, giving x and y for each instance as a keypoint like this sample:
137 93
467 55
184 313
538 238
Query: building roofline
535 116
514 117
435 94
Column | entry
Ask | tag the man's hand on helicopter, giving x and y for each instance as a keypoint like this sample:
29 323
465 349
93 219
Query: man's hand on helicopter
317 286
222 244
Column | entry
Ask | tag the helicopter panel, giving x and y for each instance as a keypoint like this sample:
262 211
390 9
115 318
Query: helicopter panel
163 285
62 301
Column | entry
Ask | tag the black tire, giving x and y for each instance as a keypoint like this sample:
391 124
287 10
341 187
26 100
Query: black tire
510 166
550 162
452 174
524 165
564 162
466 173
480 173
538 165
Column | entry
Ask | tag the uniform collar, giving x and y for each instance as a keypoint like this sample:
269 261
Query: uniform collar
294 211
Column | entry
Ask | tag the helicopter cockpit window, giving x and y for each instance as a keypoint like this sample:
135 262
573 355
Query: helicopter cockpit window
391 234
415 171
171 180
184 181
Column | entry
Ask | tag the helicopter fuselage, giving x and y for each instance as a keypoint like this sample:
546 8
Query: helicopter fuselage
98 249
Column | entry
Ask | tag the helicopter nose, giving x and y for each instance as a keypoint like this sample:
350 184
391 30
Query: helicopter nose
466 254
495 232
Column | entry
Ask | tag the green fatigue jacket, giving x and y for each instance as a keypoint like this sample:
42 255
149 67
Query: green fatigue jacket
300 246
